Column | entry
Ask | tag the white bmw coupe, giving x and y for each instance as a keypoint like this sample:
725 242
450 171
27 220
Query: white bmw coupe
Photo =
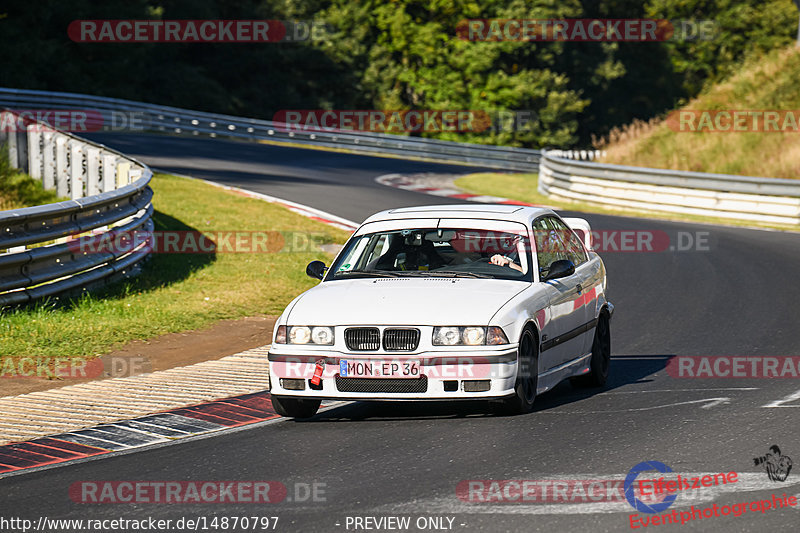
456 302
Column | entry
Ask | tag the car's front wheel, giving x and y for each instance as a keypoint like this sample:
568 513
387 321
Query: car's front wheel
527 376
295 407
601 356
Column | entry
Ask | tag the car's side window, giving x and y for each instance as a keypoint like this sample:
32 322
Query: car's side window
574 248
549 246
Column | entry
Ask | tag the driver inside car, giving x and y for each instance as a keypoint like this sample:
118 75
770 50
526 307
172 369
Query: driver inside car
511 258
504 260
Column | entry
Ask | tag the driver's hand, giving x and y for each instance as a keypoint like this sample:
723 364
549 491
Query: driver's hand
500 260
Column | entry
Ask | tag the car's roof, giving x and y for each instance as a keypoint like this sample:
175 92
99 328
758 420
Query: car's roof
505 212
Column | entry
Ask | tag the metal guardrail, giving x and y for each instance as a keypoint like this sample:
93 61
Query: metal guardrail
186 122
109 193
770 200
561 174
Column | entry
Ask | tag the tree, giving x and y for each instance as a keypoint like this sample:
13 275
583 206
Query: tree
406 54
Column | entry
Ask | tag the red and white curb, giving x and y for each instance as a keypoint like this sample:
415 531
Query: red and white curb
422 183
136 433
77 421
44 413
119 414
304 210
100 417
301 209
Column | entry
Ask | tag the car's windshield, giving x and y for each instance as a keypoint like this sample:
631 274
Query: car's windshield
450 252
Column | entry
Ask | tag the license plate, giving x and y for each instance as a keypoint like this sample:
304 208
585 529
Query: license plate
356 368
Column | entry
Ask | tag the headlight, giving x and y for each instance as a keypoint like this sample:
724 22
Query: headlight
305 335
473 336
299 335
468 336
447 336
322 335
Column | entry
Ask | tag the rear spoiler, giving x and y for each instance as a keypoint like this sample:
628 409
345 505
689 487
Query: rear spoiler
582 228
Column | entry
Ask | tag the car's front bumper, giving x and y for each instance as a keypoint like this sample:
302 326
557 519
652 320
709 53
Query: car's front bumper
444 376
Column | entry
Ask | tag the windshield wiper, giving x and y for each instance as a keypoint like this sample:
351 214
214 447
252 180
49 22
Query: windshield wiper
369 273
450 274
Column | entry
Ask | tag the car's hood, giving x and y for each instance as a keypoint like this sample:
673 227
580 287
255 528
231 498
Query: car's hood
403 301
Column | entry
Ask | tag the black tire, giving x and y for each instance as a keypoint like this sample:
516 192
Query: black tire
527 377
295 407
601 356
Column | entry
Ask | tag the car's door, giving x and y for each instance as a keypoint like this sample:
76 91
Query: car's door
562 340
590 278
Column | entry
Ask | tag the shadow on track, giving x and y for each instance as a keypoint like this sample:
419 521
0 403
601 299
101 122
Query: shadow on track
625 370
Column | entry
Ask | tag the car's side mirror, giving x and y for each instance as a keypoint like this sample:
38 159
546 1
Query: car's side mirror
316 269
559 269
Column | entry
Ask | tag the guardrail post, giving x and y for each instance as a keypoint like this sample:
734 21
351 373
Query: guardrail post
13 153
92 171
76 170
6 126
109 172
34 153
49 158
22 150
122 174
62 171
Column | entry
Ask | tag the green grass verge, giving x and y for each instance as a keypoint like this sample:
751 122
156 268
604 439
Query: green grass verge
761 84
175 292
20 190
523 187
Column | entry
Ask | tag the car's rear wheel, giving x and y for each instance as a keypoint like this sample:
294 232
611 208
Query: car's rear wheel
601 356
295 407
527 376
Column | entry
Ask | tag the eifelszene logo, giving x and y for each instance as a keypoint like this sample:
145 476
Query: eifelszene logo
630 494
777 466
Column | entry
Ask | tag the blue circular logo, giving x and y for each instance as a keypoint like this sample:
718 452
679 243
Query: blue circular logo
635 502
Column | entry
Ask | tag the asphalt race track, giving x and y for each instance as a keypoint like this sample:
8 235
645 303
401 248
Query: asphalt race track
738 297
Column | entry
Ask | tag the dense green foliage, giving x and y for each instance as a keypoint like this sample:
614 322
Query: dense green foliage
398 54
20 190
